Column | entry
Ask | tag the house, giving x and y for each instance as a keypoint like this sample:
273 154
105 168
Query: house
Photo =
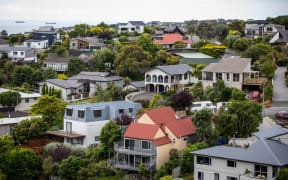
280 38
162 78
3 43
36 44
131 26
135 85
86 43
27 99
195 58
18 53
83 122
168 40
82 85
260 160
56 62
46 33
260 28
151 138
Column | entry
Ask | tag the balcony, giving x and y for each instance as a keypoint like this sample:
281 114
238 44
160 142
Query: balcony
77 96
122 164
253 78
119 147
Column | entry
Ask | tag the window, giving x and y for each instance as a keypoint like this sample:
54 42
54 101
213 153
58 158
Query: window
79 141
69 127
216 176
96 138
218 76
81 113
269 29
130 110
121 111
260 170
203 160
200 175
154 78
185 139
231 178
22 53
235 77
185 76
69 140
63 66
231 163
73 44
35 98
274 171
228 77
209 76
69 112
160 79
15 52
26 100
180 77
145 145
97 113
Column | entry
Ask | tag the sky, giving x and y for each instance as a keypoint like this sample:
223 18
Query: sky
145 10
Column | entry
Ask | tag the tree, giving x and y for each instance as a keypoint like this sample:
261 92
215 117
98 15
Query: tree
203 123
172 60
124 120
166 178
205 30
3 34
187 164
132 61
238 94
156 97
74 66
110 133
51 109
282 174
29 129
145 42
255 51
181 100
69 167
10 98
6 144
215 51
49 74
21 163
283 20
241 44
61 50
143 172
20 75
241 118
180 44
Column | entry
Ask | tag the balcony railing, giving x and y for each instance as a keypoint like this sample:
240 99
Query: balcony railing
133 166
119 147
77 97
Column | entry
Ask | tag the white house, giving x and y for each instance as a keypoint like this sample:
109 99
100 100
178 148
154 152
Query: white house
83 123
20 53
280 38
36 44
162 78
131 26
260 28
261 160
27 100
230 70
56 62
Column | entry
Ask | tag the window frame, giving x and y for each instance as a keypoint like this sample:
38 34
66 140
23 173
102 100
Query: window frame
67 114
231 163
79 113
148 144
121 109
204 159
96 113
261 171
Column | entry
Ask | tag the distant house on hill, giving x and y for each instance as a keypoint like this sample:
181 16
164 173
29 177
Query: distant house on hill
56 62
86 43
36 44
195 58
46 33
20 53
280 38
131 26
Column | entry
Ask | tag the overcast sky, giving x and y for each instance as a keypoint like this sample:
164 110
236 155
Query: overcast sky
145 10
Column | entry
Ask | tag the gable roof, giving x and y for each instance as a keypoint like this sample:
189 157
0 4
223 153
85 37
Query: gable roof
137 23
233 65
137 84
173 29
54 58
46 29
170 39
96 76
141 131
166 116
176 69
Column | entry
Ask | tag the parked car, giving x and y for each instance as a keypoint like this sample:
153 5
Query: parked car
199 105
282 115
219 105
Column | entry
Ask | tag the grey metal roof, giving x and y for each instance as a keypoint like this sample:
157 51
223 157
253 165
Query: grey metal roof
34 40
46 28
264 150
15 48
233 65
137 84
94 41
3 41
198 61
271 132
56 59
176 69
65 83
137 23
95 76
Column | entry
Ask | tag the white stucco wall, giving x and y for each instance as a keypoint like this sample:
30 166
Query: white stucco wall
37 45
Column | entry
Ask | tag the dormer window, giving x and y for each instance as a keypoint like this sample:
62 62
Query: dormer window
69 112
81 113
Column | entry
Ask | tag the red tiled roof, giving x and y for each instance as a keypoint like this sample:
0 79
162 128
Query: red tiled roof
141 131
170 39
162 140
167 116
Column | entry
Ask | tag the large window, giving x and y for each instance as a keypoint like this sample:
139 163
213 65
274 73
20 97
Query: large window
228 77
81 113
97 113
231 178
260 170
208 76
185 76
216 176
200 175
231 163
129 144
203 160
145 145
236 77
218 76
69 127
69 112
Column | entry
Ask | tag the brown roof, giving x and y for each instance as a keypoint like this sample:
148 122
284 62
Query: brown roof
65 134
233 65
141 131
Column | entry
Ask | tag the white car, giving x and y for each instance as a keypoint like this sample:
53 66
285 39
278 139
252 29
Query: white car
221 104
199 105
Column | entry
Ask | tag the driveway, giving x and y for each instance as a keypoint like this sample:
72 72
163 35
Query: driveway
280 91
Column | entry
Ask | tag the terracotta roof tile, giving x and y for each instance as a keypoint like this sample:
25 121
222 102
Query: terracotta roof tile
170 39
161 141
141 131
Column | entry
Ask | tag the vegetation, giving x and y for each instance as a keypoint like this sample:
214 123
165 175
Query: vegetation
203 123
10 98
215 51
